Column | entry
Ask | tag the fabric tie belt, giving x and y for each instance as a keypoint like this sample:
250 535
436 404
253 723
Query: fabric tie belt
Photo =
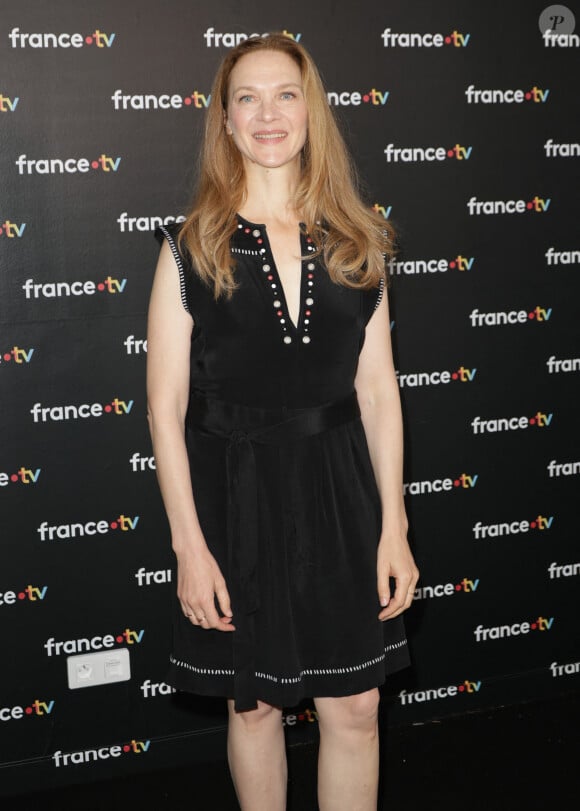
243 427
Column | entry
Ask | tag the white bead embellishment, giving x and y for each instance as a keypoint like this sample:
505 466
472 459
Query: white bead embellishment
268 267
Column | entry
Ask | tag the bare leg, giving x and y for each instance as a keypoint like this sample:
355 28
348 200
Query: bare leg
348 760
257 757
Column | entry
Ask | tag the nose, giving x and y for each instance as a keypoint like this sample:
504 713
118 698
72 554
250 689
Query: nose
268 109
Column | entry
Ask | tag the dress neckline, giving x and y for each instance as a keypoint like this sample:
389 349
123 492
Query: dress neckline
271 278
252 224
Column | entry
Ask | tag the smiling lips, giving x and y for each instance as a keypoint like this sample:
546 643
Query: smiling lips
270 136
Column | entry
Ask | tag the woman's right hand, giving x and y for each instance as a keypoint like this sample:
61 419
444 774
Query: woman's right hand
199 580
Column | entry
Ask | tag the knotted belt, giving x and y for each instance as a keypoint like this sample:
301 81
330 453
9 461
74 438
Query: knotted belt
243 427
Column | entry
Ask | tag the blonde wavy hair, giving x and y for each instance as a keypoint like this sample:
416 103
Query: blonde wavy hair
353 240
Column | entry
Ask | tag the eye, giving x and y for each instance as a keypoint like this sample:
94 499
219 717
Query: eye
287 95
245 98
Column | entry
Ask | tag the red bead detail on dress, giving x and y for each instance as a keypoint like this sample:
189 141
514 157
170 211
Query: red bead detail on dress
311 275
307 312
270 277
246 230
259 241
280 313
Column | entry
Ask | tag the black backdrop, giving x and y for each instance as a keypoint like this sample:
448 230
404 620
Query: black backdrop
100 133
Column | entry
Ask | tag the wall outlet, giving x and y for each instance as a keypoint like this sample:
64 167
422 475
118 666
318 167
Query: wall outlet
92 669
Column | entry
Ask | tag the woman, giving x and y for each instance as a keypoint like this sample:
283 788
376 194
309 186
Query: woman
276 425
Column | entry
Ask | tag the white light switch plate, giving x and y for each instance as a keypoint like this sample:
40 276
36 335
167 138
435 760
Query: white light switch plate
104 667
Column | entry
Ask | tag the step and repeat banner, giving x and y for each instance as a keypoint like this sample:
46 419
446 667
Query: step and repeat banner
463 121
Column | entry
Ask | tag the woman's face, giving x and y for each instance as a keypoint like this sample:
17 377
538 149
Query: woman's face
266 115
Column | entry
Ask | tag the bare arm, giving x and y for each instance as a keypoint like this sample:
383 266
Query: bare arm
378 395
168 356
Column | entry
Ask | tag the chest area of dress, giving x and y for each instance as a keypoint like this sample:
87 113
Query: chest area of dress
257 317
258 314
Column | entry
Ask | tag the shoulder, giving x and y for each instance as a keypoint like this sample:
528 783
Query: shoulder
372 297
170 233
171 228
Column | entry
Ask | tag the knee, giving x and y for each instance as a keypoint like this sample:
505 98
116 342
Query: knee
264 716
350 713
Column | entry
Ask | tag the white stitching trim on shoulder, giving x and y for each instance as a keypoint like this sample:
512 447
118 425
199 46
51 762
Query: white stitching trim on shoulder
179 264
381 292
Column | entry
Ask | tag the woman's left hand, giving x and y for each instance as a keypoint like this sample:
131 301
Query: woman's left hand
394 559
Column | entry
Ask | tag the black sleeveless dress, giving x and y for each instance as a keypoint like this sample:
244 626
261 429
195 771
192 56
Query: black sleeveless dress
283 485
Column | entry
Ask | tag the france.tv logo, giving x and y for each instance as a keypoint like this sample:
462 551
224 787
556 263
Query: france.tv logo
23 39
